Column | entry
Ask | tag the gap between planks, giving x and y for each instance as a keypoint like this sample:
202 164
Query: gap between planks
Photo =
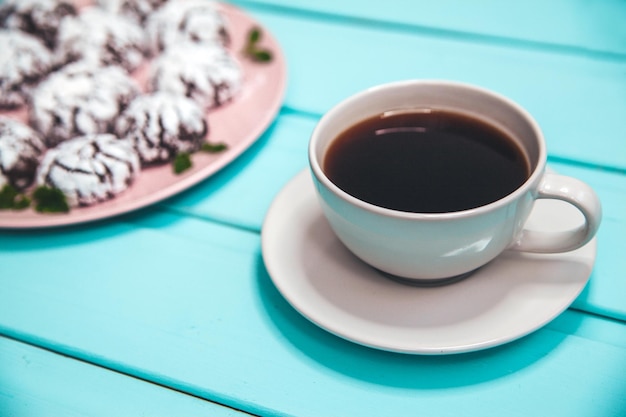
456 35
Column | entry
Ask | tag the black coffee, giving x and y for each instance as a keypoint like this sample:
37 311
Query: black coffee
434 161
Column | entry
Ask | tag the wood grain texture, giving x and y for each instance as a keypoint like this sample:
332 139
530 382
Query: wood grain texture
242 193
578 101
192 307
177 294
38 383
577 27
606 290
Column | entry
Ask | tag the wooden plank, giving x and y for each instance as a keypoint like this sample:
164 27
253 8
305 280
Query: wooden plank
575 99
574 26
604 294
242 193
36 382
188 304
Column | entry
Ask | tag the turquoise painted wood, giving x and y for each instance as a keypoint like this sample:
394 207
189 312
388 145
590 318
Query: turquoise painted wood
39 383
193 308
170 311
575 99
242 193
564 26
606 292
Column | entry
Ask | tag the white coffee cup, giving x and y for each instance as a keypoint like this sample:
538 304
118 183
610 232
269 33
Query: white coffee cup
428 248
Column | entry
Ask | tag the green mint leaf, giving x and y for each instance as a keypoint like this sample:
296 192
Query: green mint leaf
213 147
7 197
251 50
254 36
21 202
50 200
182 162
261 55
11 199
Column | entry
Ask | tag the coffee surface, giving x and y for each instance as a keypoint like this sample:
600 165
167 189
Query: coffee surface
430 161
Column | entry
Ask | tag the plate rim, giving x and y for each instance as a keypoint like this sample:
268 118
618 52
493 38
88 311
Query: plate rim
11 220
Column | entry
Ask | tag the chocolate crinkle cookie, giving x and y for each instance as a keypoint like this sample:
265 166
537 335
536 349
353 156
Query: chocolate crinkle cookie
20 151
138 10
161 125
197 21
40 18
23 62
103 38
89 169
209 75
80 99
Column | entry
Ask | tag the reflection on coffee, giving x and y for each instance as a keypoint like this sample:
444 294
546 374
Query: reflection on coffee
428 161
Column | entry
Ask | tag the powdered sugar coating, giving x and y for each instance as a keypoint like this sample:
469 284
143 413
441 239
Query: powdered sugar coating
103 38
161 125
89 169
138 10
207 74
20 150
40 18
23 61
196 21
79 100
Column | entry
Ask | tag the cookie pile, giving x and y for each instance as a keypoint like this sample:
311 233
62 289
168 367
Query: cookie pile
91 128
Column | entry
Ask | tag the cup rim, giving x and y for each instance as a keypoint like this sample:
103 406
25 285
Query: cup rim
315 164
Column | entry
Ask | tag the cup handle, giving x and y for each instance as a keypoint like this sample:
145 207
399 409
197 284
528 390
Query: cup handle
572 191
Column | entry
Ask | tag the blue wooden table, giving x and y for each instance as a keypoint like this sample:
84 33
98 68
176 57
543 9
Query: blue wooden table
170 310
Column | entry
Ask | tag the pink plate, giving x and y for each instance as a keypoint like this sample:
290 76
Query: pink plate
238 124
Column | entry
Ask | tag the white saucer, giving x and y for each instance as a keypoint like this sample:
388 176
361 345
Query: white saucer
512 296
